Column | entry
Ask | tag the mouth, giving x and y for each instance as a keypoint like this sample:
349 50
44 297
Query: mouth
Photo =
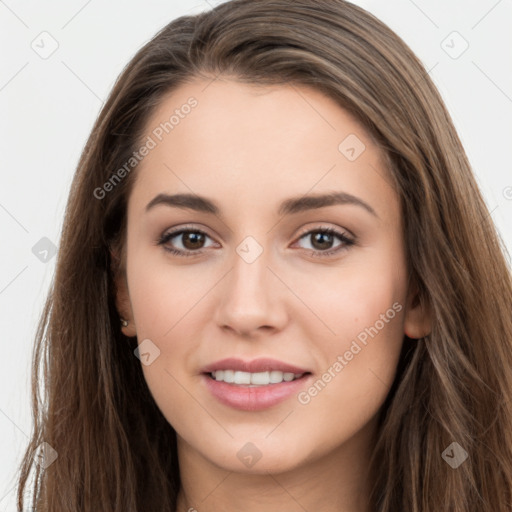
253 385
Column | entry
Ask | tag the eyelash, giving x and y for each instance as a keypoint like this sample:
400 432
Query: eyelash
347 242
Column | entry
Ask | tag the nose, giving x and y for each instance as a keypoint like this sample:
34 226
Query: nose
252 299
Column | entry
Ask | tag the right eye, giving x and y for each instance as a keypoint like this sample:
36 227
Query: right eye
190 239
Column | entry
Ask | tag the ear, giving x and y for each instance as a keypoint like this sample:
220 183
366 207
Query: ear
122 296
417 319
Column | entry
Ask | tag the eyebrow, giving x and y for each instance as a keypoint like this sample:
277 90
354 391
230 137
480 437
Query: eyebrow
287 207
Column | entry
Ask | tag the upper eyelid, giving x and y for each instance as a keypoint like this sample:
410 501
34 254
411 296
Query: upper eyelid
180 230
341 231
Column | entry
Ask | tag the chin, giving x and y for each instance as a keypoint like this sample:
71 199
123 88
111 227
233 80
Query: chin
257 456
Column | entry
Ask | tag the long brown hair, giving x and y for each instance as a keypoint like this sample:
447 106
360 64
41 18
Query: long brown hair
116 451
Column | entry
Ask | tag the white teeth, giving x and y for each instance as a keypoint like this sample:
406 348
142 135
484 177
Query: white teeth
254 379
261 378
276 376
229 376
242 378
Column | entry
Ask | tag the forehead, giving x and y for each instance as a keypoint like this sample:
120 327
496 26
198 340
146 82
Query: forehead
253 143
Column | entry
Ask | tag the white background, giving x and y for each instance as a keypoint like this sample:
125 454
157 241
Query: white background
48 107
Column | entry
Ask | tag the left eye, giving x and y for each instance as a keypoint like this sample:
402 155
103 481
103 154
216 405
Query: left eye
192 241
322 240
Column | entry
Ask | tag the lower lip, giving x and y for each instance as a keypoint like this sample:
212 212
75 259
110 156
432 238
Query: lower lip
256 398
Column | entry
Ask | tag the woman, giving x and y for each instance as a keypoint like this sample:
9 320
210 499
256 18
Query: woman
197 356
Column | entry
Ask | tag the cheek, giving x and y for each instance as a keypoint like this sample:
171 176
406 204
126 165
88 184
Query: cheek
368 323
352 298
358 368
167 303
363 306
161 294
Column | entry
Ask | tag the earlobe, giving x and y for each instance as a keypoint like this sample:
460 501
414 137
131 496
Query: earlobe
124 308
123 305
128 328
417 320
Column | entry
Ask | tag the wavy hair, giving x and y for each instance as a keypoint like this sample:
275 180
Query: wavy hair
90 402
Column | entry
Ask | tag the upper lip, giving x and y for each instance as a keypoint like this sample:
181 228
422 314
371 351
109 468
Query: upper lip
263 364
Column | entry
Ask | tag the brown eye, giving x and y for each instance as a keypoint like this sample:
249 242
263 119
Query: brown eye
189 242
192 239
322 240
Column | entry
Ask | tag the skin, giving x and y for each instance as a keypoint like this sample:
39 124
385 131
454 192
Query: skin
248 148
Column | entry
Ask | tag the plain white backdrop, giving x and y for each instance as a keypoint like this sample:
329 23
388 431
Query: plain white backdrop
59 62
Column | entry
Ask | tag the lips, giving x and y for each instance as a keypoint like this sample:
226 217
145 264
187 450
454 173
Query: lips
250 397
254 366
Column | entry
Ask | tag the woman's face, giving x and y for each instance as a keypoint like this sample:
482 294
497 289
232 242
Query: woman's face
238 182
